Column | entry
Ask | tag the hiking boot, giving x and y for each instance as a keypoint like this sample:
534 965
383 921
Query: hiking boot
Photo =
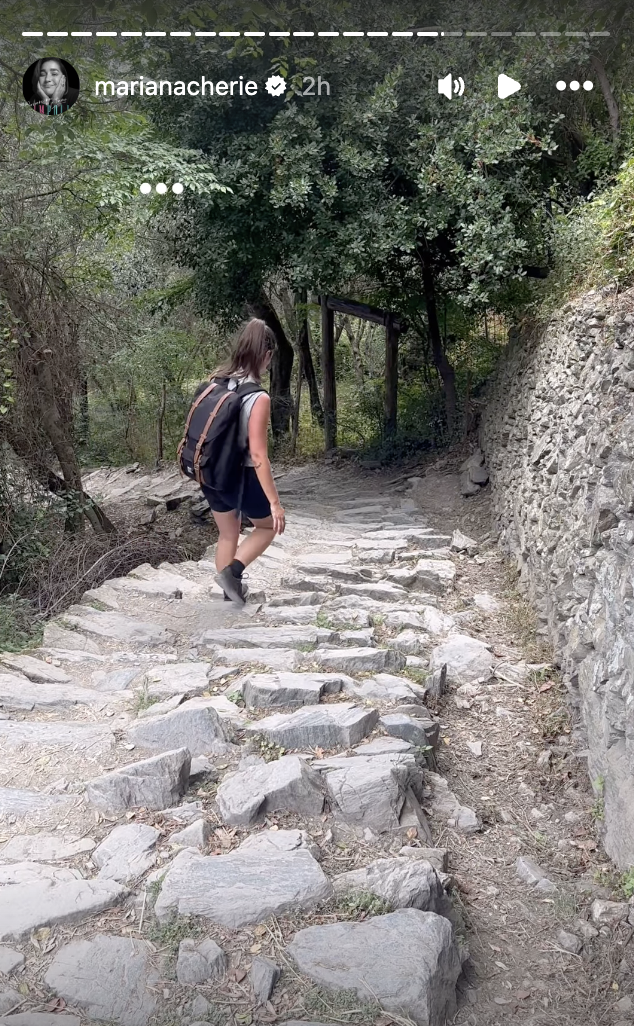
232 586
245 591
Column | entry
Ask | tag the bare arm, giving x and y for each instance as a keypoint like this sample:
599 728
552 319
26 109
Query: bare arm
258 447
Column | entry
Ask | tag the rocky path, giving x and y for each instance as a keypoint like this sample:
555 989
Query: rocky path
312 808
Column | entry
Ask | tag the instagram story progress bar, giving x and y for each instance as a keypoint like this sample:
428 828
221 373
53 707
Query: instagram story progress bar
392 33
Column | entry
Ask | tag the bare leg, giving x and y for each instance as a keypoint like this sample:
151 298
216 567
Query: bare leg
228 535
257 542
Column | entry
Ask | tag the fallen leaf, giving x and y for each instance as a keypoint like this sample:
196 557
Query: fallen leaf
503 1001
56 1004
547 686
319 752
239 975
255 949
412 833
521 995
23 988
502 966
260 931
493 948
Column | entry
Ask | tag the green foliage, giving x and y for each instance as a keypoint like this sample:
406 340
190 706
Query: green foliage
266 748
362 905
627 884
19 626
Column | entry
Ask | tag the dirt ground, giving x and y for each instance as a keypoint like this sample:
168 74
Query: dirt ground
531 789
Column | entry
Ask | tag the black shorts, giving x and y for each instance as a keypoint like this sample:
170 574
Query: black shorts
254 504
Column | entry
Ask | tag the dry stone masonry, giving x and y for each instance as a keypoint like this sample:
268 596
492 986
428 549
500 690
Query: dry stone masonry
179 777
558 437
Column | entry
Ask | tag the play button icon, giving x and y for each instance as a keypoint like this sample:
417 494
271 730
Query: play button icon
507 86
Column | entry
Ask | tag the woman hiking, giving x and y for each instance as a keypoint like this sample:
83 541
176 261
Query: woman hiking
255 494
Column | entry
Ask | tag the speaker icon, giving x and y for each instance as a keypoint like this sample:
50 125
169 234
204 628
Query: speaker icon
449 86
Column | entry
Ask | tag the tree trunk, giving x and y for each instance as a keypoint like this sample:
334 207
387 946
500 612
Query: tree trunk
281 367
610 101
306 359
298 400
84 422
159 423
328 375
439 357
357 359
78 503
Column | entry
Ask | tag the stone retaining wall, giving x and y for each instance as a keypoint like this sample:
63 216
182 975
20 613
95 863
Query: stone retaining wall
558 436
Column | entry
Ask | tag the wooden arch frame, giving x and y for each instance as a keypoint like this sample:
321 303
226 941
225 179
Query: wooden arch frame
394 327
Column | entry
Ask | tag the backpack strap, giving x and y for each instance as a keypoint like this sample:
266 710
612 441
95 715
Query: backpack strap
197 401
204 433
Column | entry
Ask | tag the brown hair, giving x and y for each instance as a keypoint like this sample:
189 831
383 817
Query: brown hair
255 340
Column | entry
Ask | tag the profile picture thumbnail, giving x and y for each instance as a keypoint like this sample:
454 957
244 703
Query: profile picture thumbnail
50 85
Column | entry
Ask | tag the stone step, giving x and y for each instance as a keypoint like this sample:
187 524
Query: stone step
291 598
36 669
18 692
289 690
287 784
268 637
27 907
194 725
15 801
116 627
382 592
340 725
175 679
62 735
359 660
290 614
267 658
298 582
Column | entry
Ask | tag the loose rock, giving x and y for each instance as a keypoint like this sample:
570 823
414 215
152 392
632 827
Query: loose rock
286 784
264 975
241 888
152 783
340 725
199 963
407 961
401 882
193 725
466 658
110 978
126 853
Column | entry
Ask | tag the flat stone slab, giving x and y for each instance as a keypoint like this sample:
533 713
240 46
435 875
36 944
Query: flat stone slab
117 627
18 692
340 725
192 725
381 592
369 791
155 783
16 801
272 841
28 906
445 805
383 746
114 680
126 853
44 847
176 679
241 888
286 690
290 614
268 637
161 586
36 669
268 658
386 687
35 872
436 575
295 599
370 544
39 1019
466 658
410 642
56 636
60 734
286 784
407 961
359 660
401 882
110 978
10 959
419 732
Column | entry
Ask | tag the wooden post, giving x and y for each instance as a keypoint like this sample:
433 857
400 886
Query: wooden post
391 375
328 374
